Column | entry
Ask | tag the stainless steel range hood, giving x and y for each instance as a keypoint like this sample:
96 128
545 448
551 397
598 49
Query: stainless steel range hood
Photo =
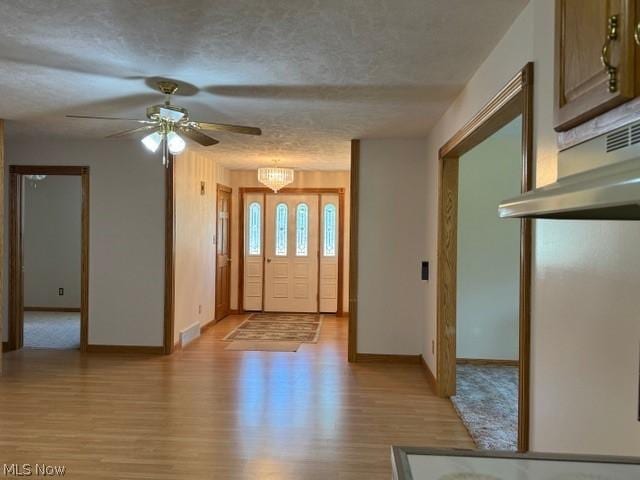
599 180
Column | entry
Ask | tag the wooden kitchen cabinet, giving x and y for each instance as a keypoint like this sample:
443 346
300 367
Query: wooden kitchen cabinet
588 34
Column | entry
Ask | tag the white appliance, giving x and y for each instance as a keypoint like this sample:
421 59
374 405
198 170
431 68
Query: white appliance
597 180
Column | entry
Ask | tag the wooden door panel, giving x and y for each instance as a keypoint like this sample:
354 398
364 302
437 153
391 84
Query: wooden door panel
223 249
582 88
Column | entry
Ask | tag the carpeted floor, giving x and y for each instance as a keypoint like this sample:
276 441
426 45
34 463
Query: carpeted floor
487 402
279 327
60 330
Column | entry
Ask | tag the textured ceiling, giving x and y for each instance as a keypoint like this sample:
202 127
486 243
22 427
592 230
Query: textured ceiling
311 74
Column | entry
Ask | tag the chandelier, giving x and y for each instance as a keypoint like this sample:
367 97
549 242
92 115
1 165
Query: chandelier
34 179
275 177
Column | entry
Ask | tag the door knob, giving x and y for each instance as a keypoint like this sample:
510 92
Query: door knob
636 34
268 260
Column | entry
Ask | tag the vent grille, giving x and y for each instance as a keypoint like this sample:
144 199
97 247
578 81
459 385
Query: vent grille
635 133
623 137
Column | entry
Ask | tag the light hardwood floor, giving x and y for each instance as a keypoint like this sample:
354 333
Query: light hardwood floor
209 413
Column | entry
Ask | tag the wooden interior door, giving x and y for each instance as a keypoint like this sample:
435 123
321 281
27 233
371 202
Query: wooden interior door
291 253
585 87
223 251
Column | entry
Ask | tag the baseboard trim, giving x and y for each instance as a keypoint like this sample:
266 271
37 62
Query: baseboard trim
125 349
429 374
52 309
387 358
487 361
236 312
207 326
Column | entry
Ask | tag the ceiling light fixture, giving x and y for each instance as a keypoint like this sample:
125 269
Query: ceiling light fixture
170 126
34 179
275 177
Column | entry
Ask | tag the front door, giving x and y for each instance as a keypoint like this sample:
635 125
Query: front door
223 262
291 253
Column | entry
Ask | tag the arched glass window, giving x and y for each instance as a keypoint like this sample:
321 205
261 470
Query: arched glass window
329 230
255 234
282 214
302 229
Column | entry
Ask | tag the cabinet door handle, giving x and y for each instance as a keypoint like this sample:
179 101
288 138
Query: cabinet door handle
612 34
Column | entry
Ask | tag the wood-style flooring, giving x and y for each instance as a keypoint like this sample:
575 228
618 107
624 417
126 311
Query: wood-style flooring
208 413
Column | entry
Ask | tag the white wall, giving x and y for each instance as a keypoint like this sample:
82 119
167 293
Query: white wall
586 310
195 229
391 246
52 236
302 179
126 248
488 266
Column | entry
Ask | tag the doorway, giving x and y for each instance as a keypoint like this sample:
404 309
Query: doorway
291 246
513 100
223 252
48 257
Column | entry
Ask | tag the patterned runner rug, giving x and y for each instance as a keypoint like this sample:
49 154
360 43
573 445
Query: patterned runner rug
279 327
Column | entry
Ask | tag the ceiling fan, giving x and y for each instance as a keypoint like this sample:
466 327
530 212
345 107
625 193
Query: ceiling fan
168 123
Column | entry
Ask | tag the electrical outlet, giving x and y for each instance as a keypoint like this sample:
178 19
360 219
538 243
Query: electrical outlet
61 291
433 347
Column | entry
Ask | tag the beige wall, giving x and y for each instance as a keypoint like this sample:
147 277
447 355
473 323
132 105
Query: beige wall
303 179
391 246
585 310
52 236
488 267
126 247
195 229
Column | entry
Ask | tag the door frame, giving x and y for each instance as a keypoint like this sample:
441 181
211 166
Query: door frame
16 249
294 191
223 188
514 99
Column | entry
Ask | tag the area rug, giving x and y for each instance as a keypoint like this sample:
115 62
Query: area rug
487 401
262 346
279 327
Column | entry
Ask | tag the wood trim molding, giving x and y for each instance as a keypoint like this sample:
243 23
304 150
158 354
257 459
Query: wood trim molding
501 109
388 358
298 191
52 309
429 374
354 190
515 98
16 280
169 258
487 362
126 349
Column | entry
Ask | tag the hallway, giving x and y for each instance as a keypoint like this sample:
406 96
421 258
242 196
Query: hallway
209 413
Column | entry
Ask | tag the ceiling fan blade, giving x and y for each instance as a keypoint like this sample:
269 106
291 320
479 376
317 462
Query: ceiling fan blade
199 137
90 117
222 127
131 131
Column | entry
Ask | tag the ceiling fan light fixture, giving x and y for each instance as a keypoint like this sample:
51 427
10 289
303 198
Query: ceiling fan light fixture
275 177
152 141
175 143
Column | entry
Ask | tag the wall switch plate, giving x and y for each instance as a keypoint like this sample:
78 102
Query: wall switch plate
425 271
61 291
